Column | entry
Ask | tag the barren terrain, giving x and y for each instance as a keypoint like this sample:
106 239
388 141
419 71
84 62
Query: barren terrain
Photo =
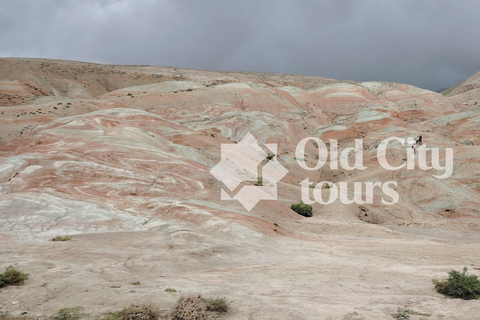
119 157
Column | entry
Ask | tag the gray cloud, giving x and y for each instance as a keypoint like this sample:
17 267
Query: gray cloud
430 43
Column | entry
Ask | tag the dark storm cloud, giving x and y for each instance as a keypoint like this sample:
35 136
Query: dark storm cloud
431 44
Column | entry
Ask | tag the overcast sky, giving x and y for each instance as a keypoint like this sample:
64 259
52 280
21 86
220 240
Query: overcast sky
428 43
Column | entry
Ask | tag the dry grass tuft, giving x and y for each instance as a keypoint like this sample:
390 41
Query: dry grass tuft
191 307
134 312
62 238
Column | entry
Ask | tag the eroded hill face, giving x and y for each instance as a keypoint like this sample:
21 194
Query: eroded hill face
132 143
102 150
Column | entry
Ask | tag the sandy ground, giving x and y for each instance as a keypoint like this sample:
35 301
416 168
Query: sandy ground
333 276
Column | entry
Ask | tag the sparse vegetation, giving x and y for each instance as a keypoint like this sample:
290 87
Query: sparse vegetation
259 182
12 277
302 209
135 283
74 313
401 314
194 307
134 312
191 307
404 314
217 305
459 285
270 156
62 238
6 316
325 186
170 290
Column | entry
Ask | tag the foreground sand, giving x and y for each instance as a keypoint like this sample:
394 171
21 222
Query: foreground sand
347 271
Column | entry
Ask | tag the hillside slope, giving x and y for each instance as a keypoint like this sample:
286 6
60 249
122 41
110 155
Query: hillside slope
120 156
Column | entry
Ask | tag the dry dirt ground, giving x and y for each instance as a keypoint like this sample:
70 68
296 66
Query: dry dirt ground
358 272
118 157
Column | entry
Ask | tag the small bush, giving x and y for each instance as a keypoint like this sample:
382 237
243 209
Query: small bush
74 313
270 156
259 182
145 312
459 285
190 308
404 314
62 238
12 277
170 290
302 209
135 283
217 305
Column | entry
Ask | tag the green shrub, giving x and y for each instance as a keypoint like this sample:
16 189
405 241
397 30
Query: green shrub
190 308
459 285
144 312
12 277
270 156
217 305
170 290
74 313
302 209
402 314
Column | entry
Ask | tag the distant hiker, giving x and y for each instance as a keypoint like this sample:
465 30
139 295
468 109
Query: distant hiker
419 140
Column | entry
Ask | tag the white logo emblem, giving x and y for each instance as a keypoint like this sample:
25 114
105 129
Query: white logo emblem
246 161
